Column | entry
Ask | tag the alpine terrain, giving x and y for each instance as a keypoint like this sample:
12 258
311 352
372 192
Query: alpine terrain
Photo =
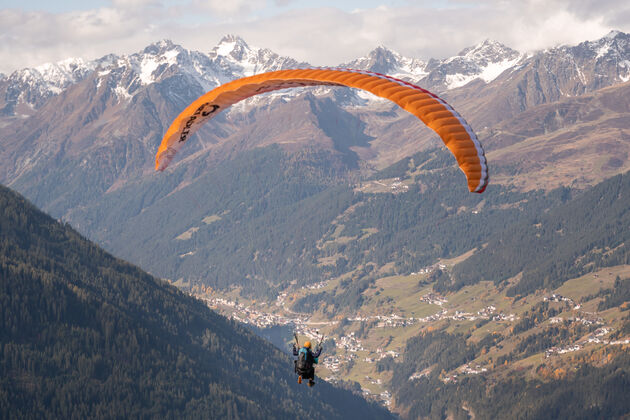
330 211
87 335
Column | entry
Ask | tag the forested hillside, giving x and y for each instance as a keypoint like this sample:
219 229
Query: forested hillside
532 322
562 357
267 218
580 236
588 391
85 335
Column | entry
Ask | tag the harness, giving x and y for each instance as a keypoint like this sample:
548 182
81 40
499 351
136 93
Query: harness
304 362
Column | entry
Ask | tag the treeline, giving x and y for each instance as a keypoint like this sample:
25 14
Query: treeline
580 236
618 296
85 335
436 218
586 393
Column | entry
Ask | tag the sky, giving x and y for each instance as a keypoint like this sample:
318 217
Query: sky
322 33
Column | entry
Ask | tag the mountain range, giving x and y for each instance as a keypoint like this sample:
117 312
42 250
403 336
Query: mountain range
120 105
336 203
76 132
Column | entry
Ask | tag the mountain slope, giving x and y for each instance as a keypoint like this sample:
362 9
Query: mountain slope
527 320
582 391
584 234
575 142
86 335
87 154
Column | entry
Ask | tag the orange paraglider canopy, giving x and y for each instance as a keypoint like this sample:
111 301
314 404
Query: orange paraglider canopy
428 107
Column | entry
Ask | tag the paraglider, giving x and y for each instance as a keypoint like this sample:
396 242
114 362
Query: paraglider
456 134
306 359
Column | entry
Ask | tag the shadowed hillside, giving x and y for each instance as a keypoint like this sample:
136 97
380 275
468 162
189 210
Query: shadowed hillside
85 335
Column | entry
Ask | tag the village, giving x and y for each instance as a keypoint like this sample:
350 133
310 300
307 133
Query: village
302 325
596 337
347 347
559 298
395 186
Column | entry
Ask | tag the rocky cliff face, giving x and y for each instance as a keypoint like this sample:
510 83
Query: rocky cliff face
549 76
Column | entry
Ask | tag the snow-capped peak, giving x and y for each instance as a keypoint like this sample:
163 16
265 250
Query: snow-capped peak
33 86
159 55
66 71
489 52
614 44
230 59
236 58
54 77
379 60
385 61
231 46
613 50
160 47
613 34
485 61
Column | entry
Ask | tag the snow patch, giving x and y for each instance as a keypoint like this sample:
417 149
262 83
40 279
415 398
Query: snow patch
369 97
625 64
225 48
147 67
494 70
122 93
602 50
487 74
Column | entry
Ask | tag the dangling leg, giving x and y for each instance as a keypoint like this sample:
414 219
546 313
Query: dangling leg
295 369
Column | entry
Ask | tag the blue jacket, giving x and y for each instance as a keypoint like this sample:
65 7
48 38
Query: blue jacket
310 356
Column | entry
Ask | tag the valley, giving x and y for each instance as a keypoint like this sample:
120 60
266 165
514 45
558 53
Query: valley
359 347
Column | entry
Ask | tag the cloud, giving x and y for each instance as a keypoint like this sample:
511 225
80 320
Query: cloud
332 36
32 38
318 35
229 8
134 4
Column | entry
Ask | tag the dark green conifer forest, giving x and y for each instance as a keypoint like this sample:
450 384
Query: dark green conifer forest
589 392
86 335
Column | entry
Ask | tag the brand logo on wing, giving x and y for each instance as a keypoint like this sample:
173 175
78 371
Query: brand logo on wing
204 110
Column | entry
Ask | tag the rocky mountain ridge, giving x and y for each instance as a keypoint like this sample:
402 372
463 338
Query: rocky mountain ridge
487 83
232 57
